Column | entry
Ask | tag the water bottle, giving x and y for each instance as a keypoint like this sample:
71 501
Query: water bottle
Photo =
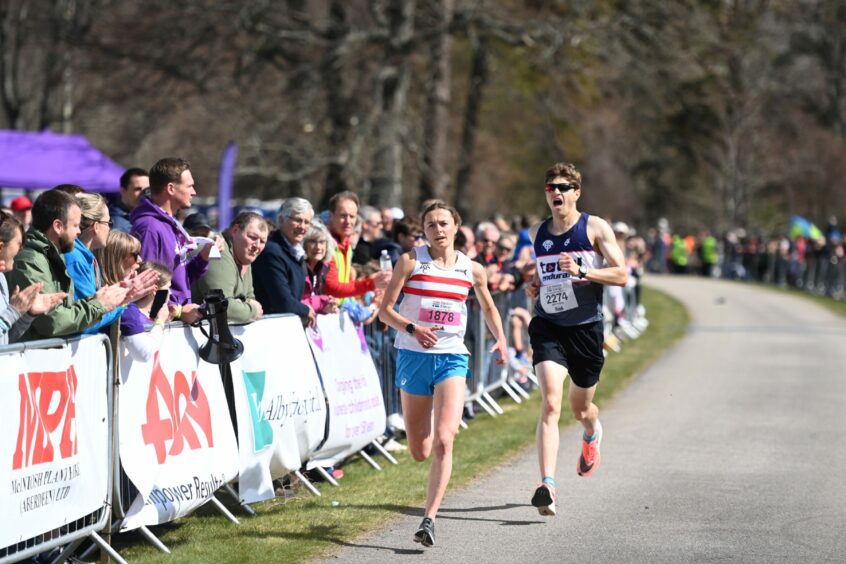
385 262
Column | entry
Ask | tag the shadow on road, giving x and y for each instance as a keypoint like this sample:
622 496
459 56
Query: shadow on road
327 533
444 512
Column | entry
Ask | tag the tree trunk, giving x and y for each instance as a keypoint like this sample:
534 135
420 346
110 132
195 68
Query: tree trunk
434 179
339 106
478 77
386 176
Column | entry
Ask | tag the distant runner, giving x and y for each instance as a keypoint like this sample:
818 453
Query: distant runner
576 254
432 362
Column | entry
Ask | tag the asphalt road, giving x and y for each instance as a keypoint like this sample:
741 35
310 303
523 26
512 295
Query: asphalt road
730 448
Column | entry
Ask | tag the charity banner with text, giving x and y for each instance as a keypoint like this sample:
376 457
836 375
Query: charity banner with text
279 401
177 444
54 455
356 409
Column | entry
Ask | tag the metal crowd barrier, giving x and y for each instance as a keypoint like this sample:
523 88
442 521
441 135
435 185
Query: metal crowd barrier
72 534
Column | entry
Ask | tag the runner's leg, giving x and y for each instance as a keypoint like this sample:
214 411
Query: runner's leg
417 413
584 410
551 379
449 402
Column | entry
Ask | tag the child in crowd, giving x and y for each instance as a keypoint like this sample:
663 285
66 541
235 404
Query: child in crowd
134 322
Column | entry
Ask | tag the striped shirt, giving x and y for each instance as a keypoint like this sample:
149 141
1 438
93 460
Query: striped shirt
436 296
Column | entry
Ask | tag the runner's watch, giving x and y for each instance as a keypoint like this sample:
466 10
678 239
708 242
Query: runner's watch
582 271
410 328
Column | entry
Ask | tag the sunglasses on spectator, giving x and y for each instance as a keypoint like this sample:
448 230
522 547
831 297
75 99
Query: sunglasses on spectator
505 248
561 187
418 237
487 241
110 223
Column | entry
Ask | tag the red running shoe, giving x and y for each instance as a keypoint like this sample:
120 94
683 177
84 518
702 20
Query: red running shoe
589 459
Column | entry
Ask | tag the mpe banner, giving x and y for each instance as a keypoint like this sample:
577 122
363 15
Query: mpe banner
54 448
279 401
177 444
356 409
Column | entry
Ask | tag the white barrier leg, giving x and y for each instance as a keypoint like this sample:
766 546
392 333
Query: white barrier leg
369 460
107 548
247 509
225 512
481 401
463 424
327 476
492 402
308 485
519 389
70 549
531 376
153 539
384 452
511 393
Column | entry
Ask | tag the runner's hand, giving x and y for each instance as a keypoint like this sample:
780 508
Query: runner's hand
533 287
502 348
426 335
568 265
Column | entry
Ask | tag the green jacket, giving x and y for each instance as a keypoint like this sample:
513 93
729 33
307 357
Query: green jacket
225 274
40 261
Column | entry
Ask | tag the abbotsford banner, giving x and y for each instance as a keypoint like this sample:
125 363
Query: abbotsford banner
177 444
54 451
279 401
352 388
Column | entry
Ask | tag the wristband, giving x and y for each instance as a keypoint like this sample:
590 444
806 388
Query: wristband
158 322
177 313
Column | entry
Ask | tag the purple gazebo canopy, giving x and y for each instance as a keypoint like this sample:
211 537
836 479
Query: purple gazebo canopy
35 161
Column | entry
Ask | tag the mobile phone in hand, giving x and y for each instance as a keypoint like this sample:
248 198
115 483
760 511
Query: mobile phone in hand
158 301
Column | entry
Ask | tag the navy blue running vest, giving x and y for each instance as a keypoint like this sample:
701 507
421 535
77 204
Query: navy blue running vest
558 301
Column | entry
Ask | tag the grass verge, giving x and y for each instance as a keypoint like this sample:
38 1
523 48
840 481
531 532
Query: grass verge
304 527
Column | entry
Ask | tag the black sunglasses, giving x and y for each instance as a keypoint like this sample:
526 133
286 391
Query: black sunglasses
561 187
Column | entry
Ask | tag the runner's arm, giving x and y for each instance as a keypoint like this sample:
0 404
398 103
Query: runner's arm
492 318
616 273
402 272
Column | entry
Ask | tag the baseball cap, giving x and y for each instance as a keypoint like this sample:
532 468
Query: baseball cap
21 203
397 213
620 227
196 221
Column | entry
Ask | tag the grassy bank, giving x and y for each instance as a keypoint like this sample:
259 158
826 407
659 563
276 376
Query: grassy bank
836 306
304 527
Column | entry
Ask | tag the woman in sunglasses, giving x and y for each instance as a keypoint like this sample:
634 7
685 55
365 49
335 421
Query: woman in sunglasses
18 309
432 362
82 265
577 254
120 258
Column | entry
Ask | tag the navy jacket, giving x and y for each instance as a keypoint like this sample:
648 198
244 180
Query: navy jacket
279 278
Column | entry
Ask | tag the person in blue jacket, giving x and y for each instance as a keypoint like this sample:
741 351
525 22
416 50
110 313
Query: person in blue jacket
81 264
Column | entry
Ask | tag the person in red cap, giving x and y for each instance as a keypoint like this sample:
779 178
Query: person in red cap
22 210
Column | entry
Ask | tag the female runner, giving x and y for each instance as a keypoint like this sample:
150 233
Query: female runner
432 361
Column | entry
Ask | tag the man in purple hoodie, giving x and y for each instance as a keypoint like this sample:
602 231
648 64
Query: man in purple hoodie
163 240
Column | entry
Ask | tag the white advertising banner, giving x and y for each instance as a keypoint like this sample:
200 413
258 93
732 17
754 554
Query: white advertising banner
177 444
352 387
279 401
54 451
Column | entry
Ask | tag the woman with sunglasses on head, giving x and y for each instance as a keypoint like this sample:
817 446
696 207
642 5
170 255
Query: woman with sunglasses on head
432 362
577 254
82 265
18 309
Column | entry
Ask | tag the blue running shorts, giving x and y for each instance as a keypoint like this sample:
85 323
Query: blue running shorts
418 373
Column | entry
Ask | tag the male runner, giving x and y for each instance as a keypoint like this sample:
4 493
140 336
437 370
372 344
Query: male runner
576 254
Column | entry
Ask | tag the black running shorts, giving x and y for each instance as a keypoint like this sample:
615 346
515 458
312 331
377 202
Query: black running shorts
578 348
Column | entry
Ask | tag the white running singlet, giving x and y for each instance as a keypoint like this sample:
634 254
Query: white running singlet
436 296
